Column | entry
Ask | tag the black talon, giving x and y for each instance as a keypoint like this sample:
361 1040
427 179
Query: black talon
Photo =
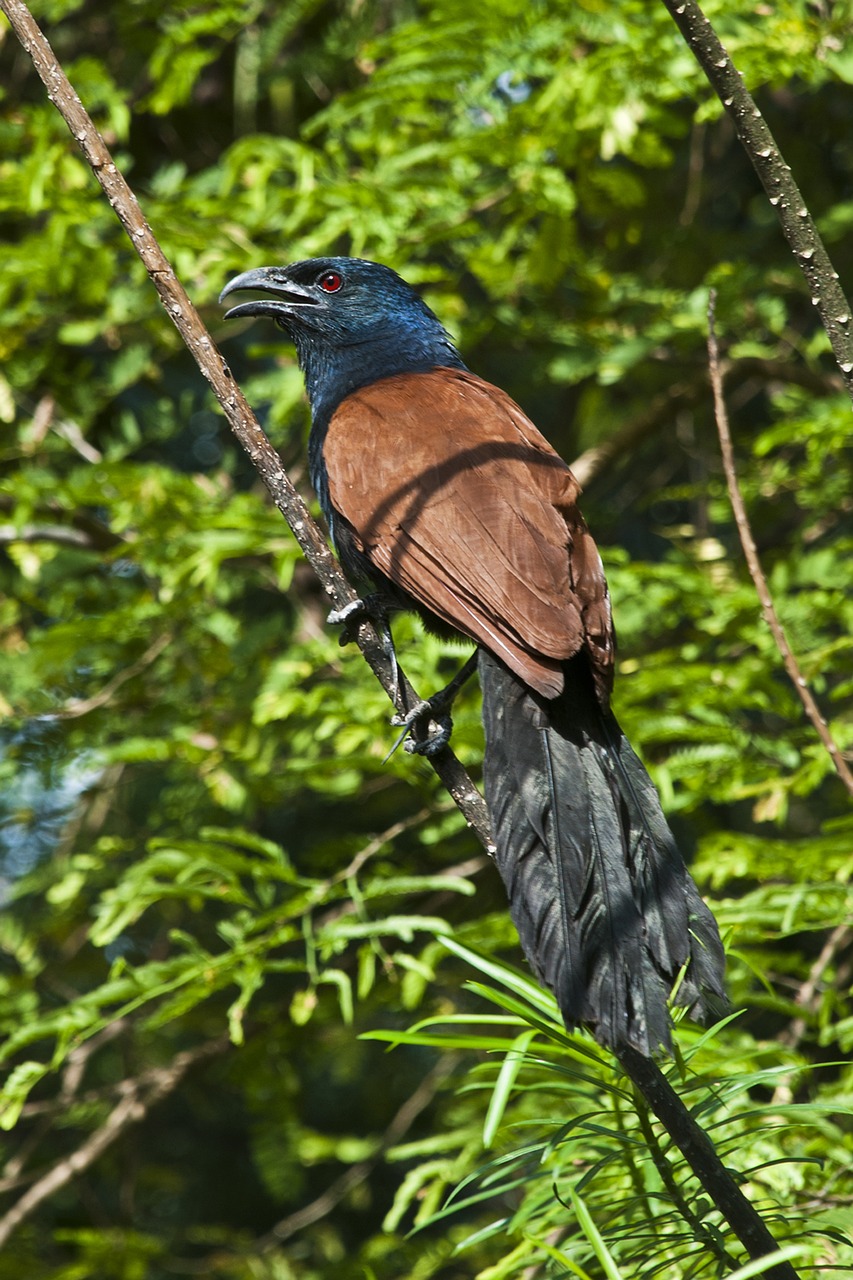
423 716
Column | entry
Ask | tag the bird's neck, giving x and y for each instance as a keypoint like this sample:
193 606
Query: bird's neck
333 373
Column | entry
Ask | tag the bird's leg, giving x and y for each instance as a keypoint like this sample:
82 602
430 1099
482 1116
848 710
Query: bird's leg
368 609
433 711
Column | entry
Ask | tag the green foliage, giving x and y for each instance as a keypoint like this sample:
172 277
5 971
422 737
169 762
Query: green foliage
571 1129
220 898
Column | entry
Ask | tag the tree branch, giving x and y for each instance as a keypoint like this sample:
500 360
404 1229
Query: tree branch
139 1096
595 460
756 572
808 999
14 1174
776 178
56 533
241 419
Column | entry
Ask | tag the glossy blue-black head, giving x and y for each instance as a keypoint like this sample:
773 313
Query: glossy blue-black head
352 322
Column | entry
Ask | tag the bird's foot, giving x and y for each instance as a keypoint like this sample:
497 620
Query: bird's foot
432 725
430 719
351 616
369 609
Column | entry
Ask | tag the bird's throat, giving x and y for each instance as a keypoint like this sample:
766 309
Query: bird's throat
332 372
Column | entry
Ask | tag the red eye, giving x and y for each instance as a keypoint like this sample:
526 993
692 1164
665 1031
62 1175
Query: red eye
331 282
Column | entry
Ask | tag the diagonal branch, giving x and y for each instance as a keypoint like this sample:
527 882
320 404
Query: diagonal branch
590 464
241 419
659 412
82 706
756 572
59 534
776 178
360 1172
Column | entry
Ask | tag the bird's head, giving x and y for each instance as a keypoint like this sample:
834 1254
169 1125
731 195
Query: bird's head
352 322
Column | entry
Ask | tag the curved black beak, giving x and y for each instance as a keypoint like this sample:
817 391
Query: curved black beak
286 294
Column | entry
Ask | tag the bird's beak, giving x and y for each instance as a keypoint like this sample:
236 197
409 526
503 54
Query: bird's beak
286 294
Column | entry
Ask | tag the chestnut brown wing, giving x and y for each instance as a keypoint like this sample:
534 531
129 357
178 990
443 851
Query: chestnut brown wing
456 497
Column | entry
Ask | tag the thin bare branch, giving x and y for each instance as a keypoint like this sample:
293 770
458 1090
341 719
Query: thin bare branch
593 461
71 434
15 1173
355 1175
139 1096
754 564
77 528
782 191
808 999
59 534
358 1173
82 706
659 413
44 420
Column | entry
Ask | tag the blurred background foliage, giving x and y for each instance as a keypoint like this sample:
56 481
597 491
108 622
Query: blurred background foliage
214 884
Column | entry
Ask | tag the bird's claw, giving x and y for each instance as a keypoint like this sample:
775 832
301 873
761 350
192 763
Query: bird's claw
351 609
436 729
354 612
369 609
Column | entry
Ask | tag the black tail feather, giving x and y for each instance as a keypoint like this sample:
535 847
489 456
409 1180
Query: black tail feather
607 913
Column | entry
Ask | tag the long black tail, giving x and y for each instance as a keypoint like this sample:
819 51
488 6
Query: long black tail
607 913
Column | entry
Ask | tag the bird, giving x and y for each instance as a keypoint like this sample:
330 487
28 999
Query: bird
442 497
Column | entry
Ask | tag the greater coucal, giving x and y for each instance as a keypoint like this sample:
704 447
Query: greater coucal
442 494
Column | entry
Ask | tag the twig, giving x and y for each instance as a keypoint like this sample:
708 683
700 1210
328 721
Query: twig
838 941
782 191
695 165
140 1095
215 370
79 528
358 1173
590 464
754 564
807 999
82 706
43 420
461 870
56 533
78 1058
71 434
72 1076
